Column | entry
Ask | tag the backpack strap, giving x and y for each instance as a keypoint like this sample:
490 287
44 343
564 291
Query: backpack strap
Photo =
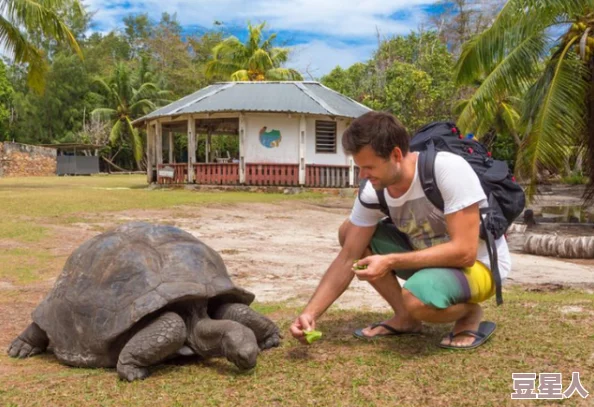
376 206
381 197
426 168
492 250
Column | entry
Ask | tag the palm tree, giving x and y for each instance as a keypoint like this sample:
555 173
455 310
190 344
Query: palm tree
256 60
127 102
542 50
503 118
40 16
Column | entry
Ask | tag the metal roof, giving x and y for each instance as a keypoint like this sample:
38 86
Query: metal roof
282 97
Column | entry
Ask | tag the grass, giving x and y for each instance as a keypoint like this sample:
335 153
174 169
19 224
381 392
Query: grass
67 197
21 231
23 266
538 331
339 370
575 179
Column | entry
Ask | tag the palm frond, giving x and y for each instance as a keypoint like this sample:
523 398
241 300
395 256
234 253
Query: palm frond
143 106
559 121
523 17
229 48
15 43
116 132
512 75
146 90
283 74
104 113
136 140
260 61
255 35
510 116
220 68
267 45
107 90
41 15
241 75
279 56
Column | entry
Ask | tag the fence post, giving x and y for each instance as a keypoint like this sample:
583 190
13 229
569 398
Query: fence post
302 147
351 172
242 136
191 148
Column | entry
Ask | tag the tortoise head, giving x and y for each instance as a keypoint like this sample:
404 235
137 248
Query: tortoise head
239 345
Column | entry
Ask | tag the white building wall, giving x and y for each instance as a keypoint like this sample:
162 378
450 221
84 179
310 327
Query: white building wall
338 158
287 151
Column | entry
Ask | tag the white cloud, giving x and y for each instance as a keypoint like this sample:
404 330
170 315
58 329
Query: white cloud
328 17
330 24
318 57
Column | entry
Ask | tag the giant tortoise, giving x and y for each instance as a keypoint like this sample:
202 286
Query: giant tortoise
142 293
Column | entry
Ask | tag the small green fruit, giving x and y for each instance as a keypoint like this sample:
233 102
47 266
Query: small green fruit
357 267
312 336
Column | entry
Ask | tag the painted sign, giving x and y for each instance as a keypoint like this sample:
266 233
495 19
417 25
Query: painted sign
270 139
167 172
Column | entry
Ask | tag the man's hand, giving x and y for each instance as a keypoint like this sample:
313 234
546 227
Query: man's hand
377 267
304 322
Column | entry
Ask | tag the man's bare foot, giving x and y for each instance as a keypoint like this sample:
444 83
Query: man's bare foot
470 322
397 323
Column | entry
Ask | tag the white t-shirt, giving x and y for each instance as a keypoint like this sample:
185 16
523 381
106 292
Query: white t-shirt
424 224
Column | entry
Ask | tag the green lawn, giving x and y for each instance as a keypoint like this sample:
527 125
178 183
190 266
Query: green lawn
55 197
339 370
539 330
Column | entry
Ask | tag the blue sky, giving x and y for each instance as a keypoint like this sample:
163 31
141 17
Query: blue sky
321 33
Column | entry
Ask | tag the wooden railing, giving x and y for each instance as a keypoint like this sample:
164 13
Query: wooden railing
272 174
179 176
318 176
328 176
217 173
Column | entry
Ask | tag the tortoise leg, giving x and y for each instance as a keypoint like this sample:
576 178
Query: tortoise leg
211 338
266 331
30 342
152 344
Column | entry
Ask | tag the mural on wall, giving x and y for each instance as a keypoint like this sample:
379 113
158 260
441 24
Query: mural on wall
270 139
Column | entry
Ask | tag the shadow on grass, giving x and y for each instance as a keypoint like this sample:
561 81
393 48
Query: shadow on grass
338 333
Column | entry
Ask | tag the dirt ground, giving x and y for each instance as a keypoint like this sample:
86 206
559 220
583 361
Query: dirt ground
280 251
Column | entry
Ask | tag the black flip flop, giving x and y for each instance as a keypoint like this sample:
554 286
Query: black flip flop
391 332
484 332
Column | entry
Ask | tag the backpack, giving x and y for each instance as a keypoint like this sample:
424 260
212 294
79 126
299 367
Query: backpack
505 196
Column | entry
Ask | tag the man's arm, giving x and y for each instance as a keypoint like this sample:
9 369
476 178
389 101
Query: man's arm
336 279
463 228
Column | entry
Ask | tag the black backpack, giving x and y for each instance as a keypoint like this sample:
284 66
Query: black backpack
506 197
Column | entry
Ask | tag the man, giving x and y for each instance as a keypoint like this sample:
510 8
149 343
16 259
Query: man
439 254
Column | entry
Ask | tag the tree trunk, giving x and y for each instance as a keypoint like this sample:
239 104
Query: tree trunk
113 165
560 246
589 192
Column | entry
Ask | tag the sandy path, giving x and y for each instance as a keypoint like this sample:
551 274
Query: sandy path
280 251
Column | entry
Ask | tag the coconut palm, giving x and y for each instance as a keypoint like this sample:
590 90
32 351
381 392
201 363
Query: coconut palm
125 102
542 50
17 17
503 119
256 60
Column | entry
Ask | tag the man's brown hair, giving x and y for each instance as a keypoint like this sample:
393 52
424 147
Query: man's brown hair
380 130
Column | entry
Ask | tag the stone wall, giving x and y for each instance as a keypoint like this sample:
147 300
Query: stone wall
22 160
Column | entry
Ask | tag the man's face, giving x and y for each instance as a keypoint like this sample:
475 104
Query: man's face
379 171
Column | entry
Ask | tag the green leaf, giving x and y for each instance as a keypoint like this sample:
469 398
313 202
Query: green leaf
312 336
554 115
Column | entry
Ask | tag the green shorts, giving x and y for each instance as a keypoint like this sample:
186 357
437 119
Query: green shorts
439 287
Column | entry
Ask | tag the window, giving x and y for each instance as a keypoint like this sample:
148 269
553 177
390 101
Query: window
325 137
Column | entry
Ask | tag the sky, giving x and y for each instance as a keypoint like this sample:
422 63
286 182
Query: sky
320 33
